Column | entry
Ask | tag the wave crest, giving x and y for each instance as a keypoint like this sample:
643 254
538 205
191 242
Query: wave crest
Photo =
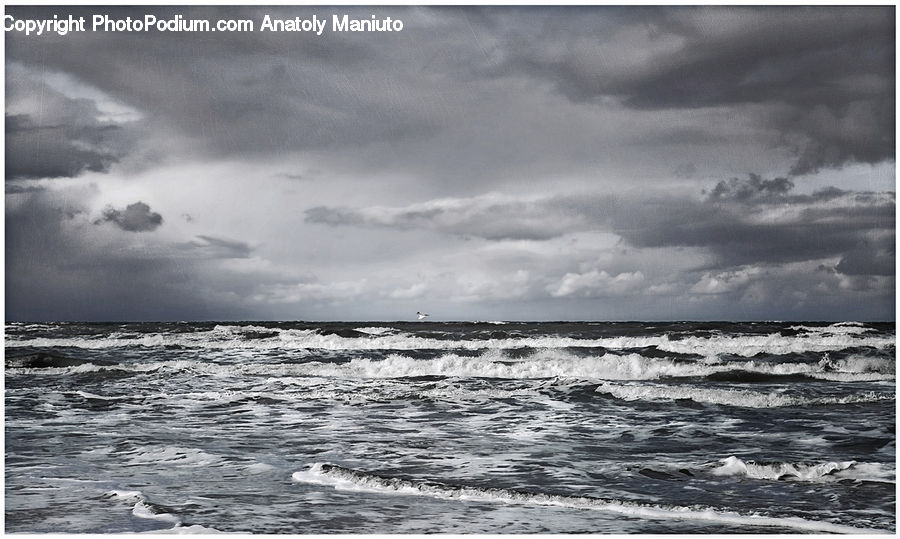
349 479
731 397
228 337
779 471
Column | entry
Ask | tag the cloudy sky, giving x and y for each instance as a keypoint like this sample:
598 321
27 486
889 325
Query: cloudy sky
485 163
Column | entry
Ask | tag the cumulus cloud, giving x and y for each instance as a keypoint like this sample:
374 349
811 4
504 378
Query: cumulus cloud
135 217
726 281
596 283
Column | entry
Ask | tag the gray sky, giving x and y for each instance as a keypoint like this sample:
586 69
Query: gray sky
485 163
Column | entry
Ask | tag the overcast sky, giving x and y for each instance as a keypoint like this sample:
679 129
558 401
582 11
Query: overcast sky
485 163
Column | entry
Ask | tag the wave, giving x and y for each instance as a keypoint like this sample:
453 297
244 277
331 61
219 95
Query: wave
826 471
377 330
40 360
144 509
539 364
840 328
732 397
227 337
350 479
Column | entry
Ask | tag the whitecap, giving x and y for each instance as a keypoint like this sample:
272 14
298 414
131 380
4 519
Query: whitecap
224 337
807 472
731 397
352 480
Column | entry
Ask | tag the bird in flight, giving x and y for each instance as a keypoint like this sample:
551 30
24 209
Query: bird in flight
421 315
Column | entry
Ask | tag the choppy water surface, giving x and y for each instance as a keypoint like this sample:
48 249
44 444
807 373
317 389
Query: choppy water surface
451 427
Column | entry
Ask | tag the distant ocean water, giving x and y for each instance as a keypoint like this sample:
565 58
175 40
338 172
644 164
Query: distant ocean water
486 427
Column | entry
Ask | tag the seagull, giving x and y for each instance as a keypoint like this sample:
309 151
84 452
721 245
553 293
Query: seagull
421 315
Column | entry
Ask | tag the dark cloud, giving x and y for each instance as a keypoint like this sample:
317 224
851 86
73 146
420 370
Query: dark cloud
870 257
536 103
741 221
53 135
753 189
243 93
135 217
14 188
59 266
820 80
823 77
61 150
761 221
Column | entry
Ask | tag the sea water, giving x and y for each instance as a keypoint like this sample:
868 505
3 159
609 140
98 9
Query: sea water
481 427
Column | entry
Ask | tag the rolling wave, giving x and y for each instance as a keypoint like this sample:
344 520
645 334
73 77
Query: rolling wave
350 479
732 397
792 471
227 337
144 509
539 364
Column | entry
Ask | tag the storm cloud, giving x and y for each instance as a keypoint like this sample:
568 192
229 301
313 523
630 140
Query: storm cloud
135 217
822 78
740 221
486 162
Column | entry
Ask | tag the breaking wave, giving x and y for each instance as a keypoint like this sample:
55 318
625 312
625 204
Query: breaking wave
732 397
228 337
144 509
350 479
538 364
826 471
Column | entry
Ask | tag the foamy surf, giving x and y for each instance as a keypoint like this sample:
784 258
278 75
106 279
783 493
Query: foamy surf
731 397
353 480
538 364
145 510
806 472
616 434
253 337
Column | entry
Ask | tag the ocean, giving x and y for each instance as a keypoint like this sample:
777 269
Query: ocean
463 428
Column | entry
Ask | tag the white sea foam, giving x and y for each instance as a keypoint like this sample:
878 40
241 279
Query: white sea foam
142 510
820 472
771 344
352 480
181 529
841 328
145 510
87 395
226 337
542 363
731 397
375 330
